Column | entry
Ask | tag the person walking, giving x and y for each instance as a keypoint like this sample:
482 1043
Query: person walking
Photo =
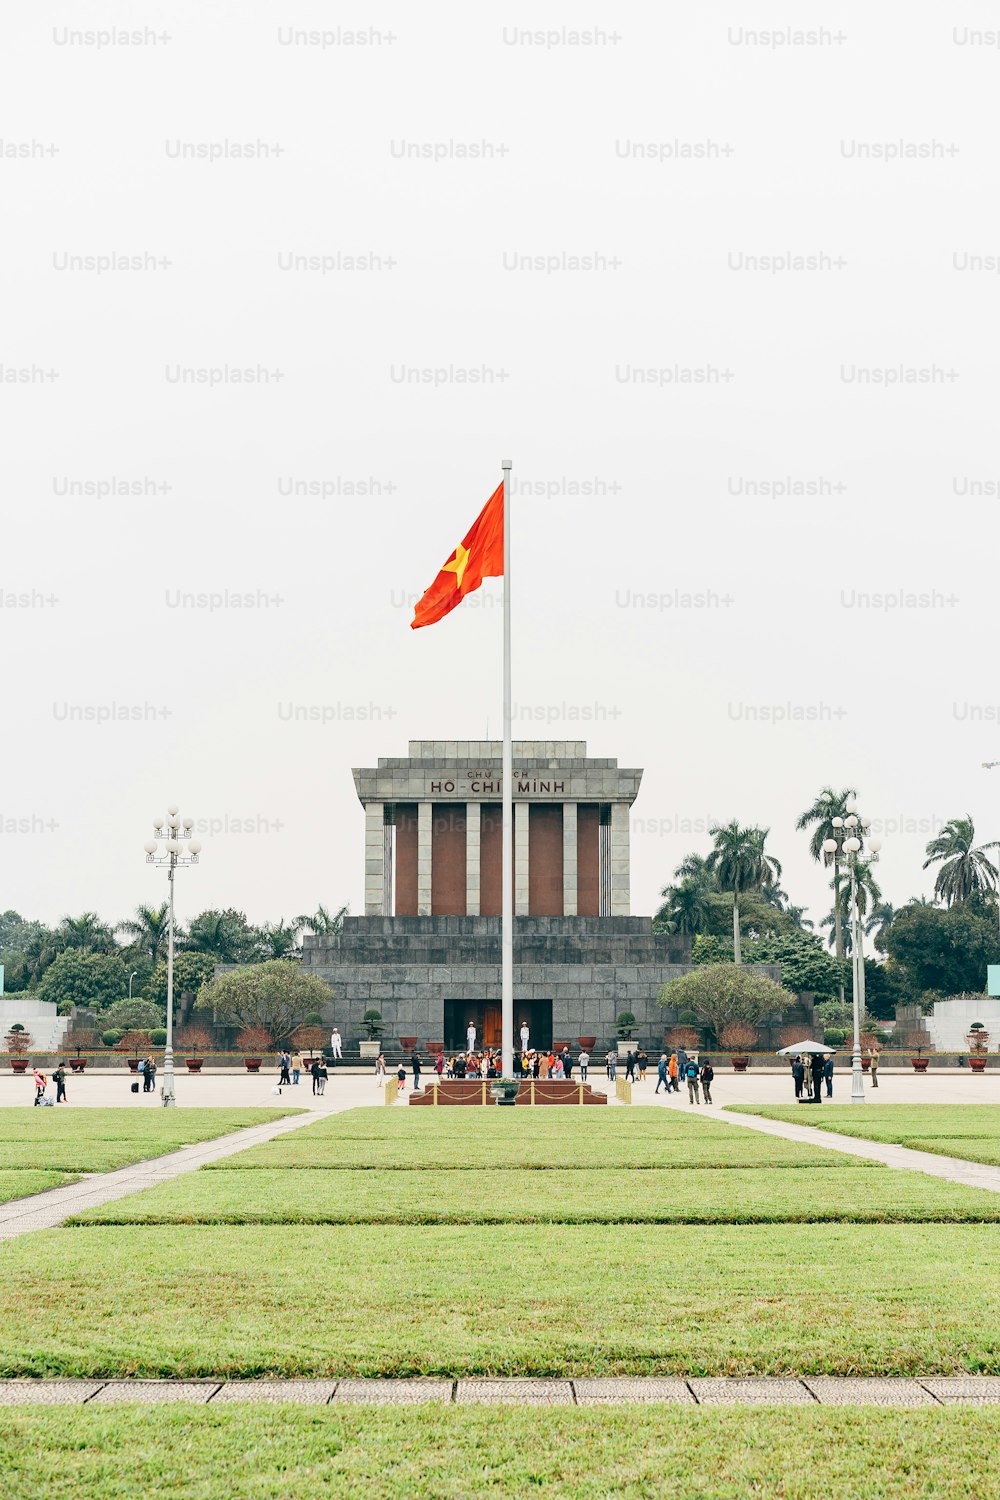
817 1078
38 1078
314 1073
873 1069
798 1075
828 1076
336 1045
380 1070
296 1067
630 1065
691 1074
584 1061
672 1074
415 1065
682 1062
59 1079
400 1079
707 1075
662 1077
439 1065
283 1062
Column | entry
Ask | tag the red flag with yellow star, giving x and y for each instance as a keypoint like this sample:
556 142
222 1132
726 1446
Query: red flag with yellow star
478 555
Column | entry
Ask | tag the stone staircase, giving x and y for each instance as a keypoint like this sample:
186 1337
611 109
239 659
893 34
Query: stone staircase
38 1017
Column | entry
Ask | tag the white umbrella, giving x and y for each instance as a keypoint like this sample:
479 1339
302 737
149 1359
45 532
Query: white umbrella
805 1047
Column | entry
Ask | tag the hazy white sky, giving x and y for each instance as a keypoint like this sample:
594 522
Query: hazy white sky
651 399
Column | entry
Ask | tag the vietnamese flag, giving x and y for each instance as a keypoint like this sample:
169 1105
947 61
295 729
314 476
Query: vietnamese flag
478 555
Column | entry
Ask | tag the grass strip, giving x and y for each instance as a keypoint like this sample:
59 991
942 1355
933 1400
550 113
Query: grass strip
530 1299
23 1183
146 1121
894 1123
201 1453
798 1195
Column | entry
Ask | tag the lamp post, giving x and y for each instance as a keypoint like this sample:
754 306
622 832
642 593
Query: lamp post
171 856
847 844
130 979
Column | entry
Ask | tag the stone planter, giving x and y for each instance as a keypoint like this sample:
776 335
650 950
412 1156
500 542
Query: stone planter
194 1064
19 1064
920 1064
133 1065
78 1064
740 1064
407 1043
435 1048
977 1064
252 1064
866 1064
370 1049
586 1043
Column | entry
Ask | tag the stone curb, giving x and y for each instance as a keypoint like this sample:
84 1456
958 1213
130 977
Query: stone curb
809 1390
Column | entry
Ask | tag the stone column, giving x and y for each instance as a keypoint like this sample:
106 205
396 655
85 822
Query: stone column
374 859
473 824
620 898
425 817
520 859
569 859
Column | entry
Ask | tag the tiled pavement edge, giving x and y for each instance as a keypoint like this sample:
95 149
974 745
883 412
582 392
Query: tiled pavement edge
810 1390
951 1168
49 1209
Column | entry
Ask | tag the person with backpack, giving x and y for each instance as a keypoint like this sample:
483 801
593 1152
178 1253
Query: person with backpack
691 1075
400 1079
707 1075
59 1079
661 1074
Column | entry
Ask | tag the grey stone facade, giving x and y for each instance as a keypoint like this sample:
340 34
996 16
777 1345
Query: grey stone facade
575 974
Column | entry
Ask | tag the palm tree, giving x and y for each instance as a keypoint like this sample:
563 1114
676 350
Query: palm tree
827 806
88 933
685 909
277 940
880 918
322 922
211 932
695 867
739 862
798 916
869 897
964 870
149 929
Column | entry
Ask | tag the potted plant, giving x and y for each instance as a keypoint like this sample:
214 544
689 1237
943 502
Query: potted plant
82 1040
196 1040
737 1038
134 1043
434 1048
374 1025
979 1041
586 1043
408 1043
869 1044
626 1025
309 1039
18 1042
254 1042
687 1037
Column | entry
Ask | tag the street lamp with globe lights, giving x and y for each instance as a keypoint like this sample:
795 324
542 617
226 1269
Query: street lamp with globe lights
851 833
171 853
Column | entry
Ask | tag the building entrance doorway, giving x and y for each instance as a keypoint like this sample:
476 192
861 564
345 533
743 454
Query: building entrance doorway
485 1016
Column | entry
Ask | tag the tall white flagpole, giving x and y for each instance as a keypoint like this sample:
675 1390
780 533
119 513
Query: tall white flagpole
507 833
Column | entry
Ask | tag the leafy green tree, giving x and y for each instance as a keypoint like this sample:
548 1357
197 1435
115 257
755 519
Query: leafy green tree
941 949
804 963
148 930
133 1015
191 971
685 908
721 993
276 940
819 817
739 862
226 936
76 977
964 869
274 995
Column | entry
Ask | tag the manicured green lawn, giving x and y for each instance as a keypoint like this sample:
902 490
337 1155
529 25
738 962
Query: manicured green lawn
447 1453
99 1140
21 1184
702 1196
743 1148
552 1121
969 1148
889 1122
523 1299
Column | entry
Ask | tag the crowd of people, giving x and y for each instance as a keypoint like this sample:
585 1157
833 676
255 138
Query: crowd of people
678 1068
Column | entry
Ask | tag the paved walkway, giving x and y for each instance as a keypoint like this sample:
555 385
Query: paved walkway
809 1390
